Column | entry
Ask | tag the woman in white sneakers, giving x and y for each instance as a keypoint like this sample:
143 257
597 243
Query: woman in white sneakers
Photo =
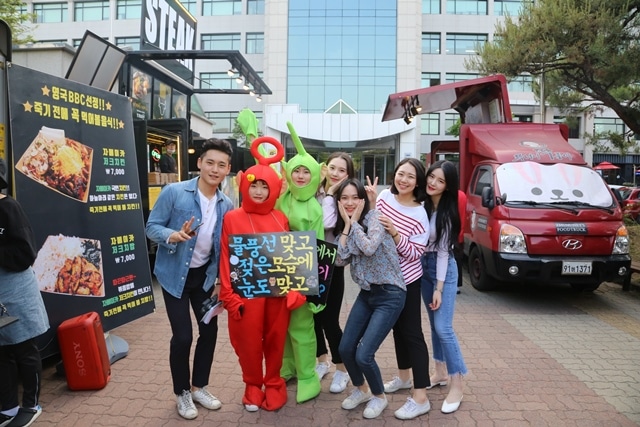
404 217
371 252
339 167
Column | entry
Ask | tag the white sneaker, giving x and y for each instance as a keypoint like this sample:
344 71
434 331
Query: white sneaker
375 407
251 408
339 382
322 368
206 399
396 384
411 409
186 408
356 398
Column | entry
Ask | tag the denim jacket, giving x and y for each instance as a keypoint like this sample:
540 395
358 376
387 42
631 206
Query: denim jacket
176 204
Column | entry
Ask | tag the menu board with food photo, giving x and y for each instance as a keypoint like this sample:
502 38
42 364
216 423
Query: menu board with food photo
60 163
76 177
70 266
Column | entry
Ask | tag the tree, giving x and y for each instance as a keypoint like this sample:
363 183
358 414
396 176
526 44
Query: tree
587 51
238 134
455 128
11 13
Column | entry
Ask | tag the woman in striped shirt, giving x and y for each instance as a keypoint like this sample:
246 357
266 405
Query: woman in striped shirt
404 217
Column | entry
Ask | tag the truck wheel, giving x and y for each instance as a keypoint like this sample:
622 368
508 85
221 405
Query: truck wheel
480 280
581 287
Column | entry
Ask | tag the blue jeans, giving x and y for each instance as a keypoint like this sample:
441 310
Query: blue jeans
371 318
444 342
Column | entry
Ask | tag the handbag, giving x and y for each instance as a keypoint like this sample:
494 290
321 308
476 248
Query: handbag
5 318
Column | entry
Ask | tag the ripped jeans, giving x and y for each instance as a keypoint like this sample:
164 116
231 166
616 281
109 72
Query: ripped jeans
444 342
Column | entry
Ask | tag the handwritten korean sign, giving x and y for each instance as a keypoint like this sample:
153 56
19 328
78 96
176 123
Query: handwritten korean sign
326 259
272 264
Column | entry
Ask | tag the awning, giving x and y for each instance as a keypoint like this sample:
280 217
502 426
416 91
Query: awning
605 166
147 61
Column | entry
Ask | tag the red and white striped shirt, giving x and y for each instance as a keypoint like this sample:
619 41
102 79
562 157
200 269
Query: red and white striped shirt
412 224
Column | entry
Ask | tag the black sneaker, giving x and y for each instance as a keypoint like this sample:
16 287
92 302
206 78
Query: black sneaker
25 417
4 420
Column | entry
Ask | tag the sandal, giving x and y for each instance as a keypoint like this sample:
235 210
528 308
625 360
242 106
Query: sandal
434 383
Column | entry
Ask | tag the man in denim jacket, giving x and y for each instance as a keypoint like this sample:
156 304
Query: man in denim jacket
186 223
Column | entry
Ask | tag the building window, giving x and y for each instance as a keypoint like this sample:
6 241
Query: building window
129 9
221 7
347 54
459 77
133 42
431 7
223 121
522 118
467 7
430 124
450 119
220 42
572 122
255 7
50 12
91 11
509 7
520 84
431 43
430 79
464 44
190 5
255 43
608 124
53 41
216 81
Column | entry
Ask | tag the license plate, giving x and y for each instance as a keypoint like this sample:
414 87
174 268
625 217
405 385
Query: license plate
582 268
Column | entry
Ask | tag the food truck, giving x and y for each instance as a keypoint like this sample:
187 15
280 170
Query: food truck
536 212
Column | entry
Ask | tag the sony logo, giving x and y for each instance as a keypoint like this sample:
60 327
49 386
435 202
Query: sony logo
79 359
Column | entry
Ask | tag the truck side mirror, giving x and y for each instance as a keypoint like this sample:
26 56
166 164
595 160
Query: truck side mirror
488 200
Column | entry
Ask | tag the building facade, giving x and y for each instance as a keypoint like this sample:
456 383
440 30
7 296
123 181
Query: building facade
330 65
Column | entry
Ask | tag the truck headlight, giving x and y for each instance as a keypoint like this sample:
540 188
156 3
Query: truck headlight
621 244
512 240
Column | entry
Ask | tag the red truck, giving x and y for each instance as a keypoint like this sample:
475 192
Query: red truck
536 212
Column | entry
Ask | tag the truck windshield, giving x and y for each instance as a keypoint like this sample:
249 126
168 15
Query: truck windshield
557 184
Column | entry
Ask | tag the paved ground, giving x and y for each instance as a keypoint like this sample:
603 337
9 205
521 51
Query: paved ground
543 356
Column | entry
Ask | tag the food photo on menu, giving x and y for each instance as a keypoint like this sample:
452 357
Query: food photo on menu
59 163
70 265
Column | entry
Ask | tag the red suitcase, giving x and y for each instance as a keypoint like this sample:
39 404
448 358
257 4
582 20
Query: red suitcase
84 352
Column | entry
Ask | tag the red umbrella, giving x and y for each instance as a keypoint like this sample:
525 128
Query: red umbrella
605 166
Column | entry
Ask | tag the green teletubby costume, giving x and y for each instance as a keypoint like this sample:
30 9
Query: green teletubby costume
305 214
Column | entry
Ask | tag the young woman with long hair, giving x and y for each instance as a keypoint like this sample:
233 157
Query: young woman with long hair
404 217
339 167
371 252
440 279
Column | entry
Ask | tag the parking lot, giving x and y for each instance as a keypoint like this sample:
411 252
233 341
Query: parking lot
537 356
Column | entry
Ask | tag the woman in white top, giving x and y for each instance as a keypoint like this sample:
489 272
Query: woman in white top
440 279
339 167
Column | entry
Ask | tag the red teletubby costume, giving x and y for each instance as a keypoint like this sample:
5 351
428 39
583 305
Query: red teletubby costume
258 326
